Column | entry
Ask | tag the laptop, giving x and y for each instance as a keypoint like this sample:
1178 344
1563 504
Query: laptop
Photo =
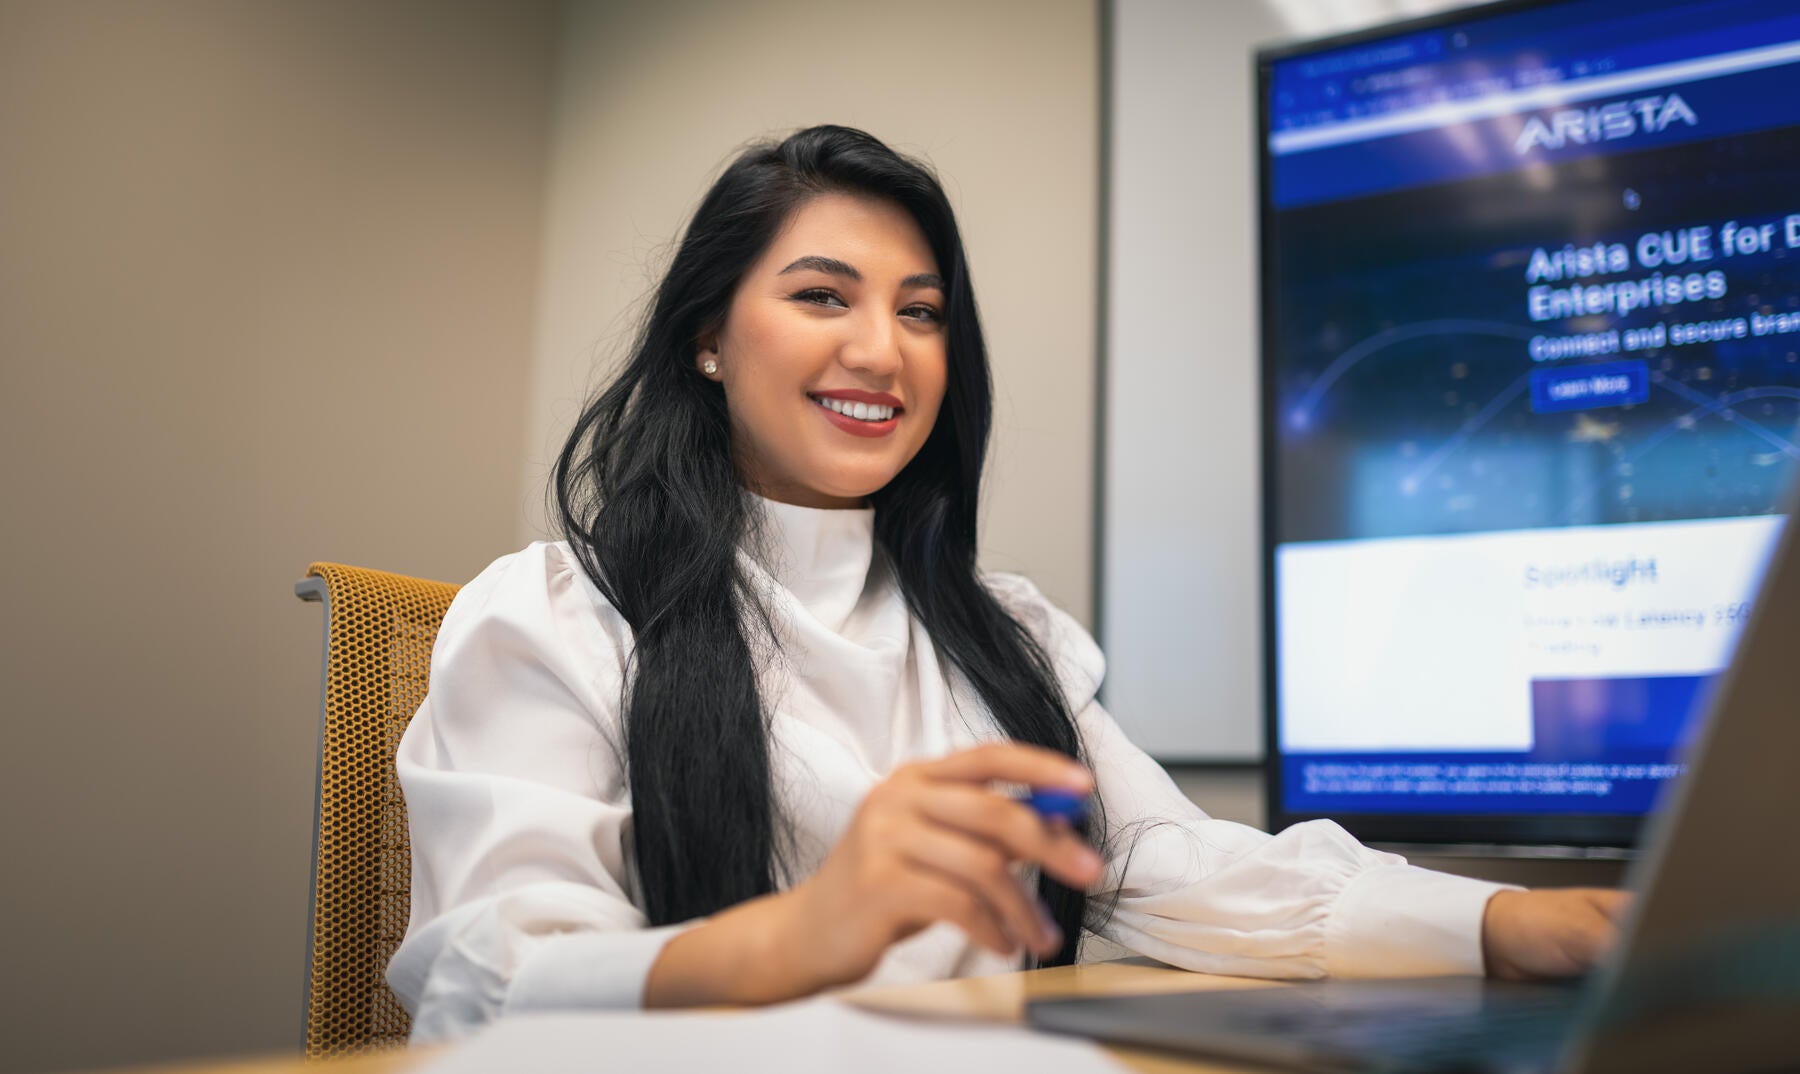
1706 974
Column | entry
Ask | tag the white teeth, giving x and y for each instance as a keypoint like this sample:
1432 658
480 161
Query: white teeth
859 411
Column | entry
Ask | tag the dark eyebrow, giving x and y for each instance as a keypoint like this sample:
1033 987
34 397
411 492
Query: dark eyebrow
832 266
829 265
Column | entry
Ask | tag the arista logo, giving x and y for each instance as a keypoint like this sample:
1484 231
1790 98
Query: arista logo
1604 122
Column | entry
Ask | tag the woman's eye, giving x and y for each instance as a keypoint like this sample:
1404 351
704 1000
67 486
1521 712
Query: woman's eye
924 313
819 296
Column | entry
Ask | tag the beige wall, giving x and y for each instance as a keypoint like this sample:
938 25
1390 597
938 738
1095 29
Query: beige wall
269 286
266 274
652 100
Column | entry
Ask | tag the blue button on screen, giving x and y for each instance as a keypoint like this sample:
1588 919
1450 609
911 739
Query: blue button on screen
1583 387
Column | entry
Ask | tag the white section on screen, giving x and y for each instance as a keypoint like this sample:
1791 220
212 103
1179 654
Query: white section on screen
1431 643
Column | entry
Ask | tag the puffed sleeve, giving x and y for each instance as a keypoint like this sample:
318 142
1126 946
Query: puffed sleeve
518 807
1221 897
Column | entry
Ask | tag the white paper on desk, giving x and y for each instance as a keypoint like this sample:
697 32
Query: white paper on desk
796 1038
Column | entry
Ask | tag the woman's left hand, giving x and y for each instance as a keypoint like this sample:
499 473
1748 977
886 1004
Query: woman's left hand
1550 933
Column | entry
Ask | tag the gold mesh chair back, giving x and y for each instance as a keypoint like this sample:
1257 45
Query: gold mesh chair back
379 630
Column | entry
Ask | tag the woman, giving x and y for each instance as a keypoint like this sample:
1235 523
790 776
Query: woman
738 738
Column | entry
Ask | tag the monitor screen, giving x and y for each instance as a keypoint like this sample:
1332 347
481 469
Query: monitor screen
1531 366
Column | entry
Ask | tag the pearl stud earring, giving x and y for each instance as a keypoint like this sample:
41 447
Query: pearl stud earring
709 367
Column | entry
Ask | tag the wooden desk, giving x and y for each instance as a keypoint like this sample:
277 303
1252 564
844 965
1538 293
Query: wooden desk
1000 998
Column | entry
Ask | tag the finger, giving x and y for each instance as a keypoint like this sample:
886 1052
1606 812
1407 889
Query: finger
1585 941
1611 902
1566 933
981 866
1016 829
1011 762
1607 910
928 897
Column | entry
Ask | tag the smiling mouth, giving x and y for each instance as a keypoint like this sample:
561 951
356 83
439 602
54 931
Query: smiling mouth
869 412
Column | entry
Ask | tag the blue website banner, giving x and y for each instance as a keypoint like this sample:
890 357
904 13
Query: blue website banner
1599 746
1407 357
1543 47
1689 112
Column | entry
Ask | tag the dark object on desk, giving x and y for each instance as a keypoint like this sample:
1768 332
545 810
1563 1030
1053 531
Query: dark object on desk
1411 1024
1706 976
379 632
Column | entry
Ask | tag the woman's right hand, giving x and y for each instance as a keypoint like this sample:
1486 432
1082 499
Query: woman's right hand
933 843
930 843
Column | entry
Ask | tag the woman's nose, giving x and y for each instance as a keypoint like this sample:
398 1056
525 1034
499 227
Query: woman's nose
874 344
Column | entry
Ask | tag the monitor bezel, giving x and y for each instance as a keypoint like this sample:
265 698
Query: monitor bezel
1473 832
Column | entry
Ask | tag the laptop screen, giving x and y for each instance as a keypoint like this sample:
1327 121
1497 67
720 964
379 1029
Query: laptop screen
1532 376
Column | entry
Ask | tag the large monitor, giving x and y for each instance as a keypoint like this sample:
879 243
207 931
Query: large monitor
1531 375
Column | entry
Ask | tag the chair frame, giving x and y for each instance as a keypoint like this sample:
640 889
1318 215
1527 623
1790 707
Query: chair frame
314 589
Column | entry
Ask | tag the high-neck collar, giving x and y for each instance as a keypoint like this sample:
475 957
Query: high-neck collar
820 556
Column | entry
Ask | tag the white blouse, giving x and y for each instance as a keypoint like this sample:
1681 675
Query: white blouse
524 895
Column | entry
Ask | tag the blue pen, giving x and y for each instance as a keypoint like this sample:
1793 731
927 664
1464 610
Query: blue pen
1052 804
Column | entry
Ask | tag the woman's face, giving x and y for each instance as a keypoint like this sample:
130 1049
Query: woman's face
832 353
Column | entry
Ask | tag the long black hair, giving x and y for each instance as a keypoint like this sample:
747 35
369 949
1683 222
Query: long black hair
650 500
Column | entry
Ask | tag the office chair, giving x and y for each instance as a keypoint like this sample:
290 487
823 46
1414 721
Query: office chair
379 630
